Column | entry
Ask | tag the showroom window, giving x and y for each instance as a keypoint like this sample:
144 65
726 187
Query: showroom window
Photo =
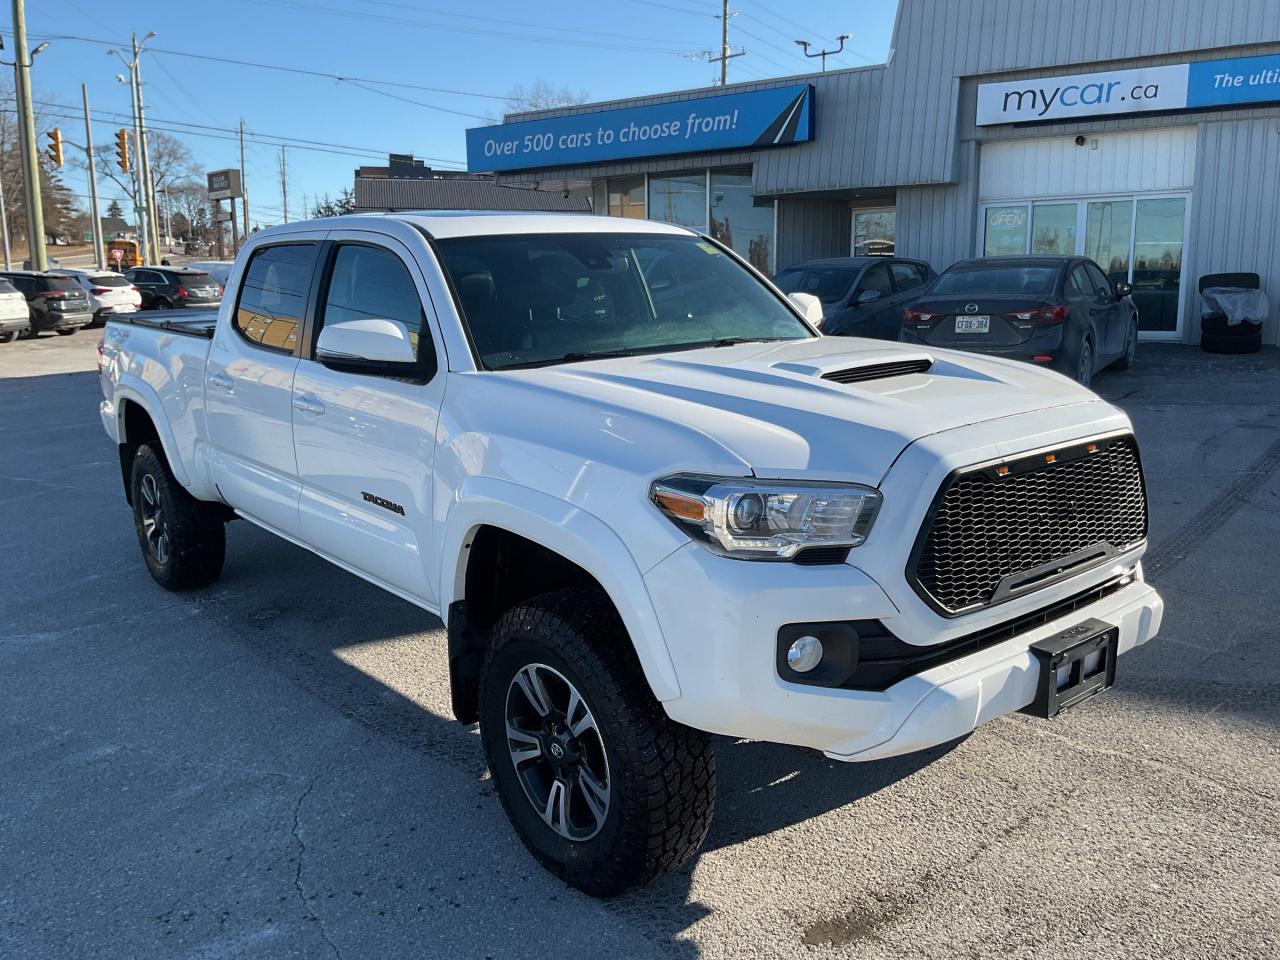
1137 239
679 198
738 222
620 197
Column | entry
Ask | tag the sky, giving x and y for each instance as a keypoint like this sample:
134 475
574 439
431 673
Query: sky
388 51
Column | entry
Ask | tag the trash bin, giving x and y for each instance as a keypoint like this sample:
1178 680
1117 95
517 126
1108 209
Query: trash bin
1233 308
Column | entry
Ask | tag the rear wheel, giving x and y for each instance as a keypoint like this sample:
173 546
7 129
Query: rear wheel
160 305
8 336
183 540
67 331
1084 363
605 790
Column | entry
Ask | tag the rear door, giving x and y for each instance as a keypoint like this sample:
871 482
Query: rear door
1092 307
150 284
249 382
365 440
908 283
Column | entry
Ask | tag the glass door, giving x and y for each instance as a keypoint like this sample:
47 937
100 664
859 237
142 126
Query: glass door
1159 225
1053 227
1108 236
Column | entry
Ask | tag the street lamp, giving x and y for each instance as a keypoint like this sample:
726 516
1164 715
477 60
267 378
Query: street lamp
145 205
804 44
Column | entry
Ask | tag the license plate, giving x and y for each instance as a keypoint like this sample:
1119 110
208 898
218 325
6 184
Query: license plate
976 324
1076 664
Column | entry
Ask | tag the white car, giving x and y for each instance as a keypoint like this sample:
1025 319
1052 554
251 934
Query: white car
220 270
109 292
648 499
15 315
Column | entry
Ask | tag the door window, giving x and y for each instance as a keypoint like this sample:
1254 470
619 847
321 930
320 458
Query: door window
1101 285
1079 284
273 294
876 278
906 276
373 283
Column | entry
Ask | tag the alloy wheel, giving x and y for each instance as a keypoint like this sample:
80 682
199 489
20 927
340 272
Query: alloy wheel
558 752
1084 370
154 526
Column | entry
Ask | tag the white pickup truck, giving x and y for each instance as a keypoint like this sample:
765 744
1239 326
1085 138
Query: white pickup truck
648 499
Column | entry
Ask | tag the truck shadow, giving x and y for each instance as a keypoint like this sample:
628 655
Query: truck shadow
762 787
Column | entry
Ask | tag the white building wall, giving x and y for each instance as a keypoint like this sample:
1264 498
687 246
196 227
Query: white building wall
1140 161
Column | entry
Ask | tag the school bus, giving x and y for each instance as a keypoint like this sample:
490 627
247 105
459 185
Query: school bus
129 256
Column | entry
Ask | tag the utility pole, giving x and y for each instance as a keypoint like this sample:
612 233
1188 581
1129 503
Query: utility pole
284 185
144 159
27 140
98 244
4 216
244 183
823 53
725 55
139 199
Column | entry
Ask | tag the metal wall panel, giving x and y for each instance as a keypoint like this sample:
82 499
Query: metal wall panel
1235 212
1143 160
812 229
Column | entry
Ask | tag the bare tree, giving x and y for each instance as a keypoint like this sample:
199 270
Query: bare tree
170 158
542 95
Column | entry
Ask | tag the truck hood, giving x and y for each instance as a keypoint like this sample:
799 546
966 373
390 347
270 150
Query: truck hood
780 410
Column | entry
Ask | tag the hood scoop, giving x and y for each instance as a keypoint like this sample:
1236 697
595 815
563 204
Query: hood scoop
879 371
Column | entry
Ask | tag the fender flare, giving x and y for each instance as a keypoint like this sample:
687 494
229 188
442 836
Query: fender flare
137 391
575 535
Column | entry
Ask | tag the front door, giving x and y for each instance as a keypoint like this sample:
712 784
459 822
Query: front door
249 384
365 440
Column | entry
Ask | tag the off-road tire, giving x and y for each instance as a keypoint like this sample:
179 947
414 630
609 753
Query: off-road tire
661 774
195 530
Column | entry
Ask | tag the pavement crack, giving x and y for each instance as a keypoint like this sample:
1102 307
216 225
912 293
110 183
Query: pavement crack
298 886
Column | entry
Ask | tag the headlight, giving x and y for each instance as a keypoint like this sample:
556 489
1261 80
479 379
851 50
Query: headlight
767 519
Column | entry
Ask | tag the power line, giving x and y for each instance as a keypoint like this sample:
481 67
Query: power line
486 32
340 78
267 139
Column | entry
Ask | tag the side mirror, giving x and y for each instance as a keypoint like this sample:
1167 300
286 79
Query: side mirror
868 296
365 341
810 307
1123 288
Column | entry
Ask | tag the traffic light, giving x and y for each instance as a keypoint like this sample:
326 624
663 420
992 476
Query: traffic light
122 150
55 146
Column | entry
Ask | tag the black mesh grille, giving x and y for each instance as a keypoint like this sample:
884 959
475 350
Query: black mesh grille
879 371
987 528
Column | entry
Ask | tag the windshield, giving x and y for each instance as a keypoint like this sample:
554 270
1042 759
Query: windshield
966 281
828 284
536 299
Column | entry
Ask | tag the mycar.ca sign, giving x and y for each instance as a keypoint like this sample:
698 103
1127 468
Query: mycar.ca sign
759 118
1180 86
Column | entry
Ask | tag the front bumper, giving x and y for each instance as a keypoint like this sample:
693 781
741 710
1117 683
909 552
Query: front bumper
720 619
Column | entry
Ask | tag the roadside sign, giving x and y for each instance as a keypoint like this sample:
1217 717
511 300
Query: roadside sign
87 236
224 184
223 216
117 254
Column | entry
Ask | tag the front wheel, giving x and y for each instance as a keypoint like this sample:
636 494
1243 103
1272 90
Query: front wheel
183 540
605 790
1130 347
67 331
1084 363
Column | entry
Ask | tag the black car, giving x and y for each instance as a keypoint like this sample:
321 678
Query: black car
1060 311
861 296
164 288
56 301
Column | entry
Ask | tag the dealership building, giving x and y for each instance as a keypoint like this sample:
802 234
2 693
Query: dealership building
1144 135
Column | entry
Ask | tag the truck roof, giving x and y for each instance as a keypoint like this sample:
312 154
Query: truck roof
478 223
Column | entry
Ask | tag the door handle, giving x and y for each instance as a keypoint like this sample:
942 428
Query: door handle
304 404
222 382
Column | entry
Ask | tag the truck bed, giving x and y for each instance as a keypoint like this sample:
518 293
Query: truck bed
190 321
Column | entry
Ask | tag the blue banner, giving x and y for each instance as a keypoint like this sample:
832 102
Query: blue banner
1243 80
759 118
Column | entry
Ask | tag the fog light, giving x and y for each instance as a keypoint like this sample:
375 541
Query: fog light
804 654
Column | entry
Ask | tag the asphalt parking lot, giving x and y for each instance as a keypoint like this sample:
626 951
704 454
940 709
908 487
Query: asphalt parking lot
269 767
